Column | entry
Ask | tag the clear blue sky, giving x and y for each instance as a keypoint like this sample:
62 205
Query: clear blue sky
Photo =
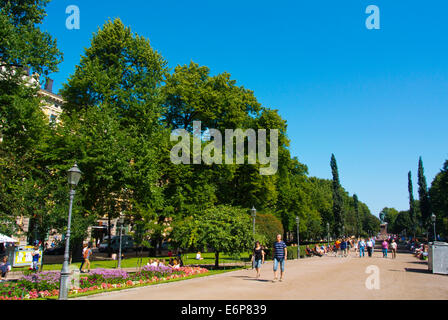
377 99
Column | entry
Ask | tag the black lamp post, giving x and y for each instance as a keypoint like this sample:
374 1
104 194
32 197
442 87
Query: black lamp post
253 212
74 174
433 219
328 234
298 237
121 235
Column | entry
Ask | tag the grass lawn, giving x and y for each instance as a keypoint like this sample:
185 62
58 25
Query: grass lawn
189 259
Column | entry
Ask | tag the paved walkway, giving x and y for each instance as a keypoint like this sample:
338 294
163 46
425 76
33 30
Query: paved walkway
311 278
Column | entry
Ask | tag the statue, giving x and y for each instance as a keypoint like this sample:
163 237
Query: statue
382 217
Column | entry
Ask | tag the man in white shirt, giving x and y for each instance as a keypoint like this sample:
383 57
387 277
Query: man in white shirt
369 247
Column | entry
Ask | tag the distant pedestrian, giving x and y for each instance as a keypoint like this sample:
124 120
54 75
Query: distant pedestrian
86 256
258 258
280 256
83 260
393 247
179 258
385 246
36 256
369 245
337 245
5 267
362 247
344 248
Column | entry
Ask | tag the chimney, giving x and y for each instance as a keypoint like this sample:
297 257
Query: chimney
49 85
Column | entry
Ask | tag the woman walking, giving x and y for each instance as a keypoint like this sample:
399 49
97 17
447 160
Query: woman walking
385 246
393 246
258 258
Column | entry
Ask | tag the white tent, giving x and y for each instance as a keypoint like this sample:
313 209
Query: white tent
4 239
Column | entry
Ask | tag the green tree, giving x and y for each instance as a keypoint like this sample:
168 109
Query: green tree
26 188
267 226
22 43
223 229
358 220
390 215
439 199
337 197
425 206
412 213
112 122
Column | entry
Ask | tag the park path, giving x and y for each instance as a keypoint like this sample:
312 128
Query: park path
311 278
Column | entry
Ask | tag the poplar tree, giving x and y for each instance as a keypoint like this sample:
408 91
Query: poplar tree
425 206
358 220
337 197
412 214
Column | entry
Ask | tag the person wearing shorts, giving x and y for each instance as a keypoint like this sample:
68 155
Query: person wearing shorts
280 256
36 256
87 254
258 258
393 247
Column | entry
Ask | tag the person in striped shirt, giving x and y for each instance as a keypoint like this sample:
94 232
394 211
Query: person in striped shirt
280 256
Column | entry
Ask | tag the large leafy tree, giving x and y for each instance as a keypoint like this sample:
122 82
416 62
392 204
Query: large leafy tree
22 43
439 199
112 123
223 229
26 187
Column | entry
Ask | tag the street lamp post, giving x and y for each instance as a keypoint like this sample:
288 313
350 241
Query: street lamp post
298 237
74 174
328 234
433 218
253 212
343 231
121 234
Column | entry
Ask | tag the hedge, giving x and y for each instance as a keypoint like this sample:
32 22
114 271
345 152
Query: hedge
292 251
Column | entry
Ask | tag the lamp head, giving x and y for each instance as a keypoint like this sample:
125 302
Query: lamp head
74 175
253 211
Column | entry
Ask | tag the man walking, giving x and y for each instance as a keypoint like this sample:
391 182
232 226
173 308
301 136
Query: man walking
83 260
369 247
280 255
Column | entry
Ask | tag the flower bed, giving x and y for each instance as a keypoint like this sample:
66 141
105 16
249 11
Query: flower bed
46 284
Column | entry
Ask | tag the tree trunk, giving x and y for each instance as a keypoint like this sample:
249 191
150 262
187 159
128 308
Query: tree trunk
77 251
152 250
160 246
217 259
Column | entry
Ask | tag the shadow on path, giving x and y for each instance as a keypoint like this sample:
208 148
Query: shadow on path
419 262
418 270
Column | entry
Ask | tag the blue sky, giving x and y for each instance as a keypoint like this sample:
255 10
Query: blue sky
377 99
